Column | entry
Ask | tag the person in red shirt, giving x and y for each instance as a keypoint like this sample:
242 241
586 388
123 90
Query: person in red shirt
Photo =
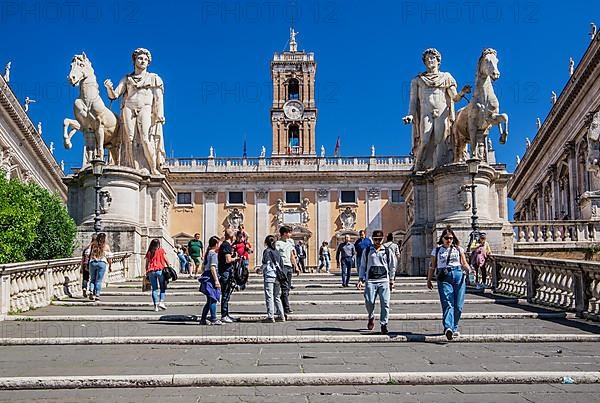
242 247
156 261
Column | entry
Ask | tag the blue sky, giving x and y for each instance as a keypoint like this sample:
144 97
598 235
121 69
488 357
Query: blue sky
214 59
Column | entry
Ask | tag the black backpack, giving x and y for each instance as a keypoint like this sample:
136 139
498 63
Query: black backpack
240 274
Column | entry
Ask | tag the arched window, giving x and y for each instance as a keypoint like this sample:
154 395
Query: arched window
293 89
294 139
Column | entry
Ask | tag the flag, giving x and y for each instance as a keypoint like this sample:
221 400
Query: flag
336 151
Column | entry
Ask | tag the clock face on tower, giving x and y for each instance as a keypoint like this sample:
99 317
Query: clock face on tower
293 109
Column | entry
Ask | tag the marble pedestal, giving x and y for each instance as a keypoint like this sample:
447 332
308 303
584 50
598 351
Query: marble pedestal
442 197
134 210
590 206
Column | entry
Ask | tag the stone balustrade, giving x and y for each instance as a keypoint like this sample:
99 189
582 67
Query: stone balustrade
285 164
573 285
30 285
561 234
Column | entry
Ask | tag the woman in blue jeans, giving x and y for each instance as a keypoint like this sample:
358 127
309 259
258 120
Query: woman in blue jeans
100 261
448 260
209 283
156 261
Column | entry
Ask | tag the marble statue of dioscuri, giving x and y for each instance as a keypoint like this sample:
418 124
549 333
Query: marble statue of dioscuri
142 114
473 122
99 125
431 111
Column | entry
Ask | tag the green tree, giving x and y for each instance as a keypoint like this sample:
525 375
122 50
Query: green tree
56 230
34 224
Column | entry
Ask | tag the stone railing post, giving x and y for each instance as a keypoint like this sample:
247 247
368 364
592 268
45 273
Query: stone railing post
4 295
49 284
495 273
579 287
530 277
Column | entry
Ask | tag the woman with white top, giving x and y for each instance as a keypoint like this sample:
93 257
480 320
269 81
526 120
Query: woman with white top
100 260
448 261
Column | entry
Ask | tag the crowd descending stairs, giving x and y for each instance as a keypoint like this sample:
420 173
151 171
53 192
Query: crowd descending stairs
120 347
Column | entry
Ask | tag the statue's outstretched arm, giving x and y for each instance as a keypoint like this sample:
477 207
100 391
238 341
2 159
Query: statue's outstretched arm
159 111
457 96
116 92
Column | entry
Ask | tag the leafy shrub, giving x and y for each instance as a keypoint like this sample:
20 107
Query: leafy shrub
34 224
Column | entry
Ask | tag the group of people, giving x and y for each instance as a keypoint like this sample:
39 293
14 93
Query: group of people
279 262
377 263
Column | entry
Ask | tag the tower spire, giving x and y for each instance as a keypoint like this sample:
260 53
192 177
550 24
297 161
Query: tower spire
293 33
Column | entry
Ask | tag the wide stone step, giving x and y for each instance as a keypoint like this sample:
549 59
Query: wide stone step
294 358
191 285
299 339
300 379
521 393
325 302
259 296
474 328
291 317
486 305
316 292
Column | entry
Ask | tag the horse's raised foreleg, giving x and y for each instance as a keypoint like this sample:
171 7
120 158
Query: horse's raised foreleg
498 119
67 135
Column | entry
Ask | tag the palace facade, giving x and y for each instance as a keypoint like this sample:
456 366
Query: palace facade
321 198
23 153
556 186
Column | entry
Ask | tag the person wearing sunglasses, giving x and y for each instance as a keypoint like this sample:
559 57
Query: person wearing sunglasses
448 261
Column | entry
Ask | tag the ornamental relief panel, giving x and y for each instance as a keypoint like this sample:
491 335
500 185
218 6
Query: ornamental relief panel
295 216
348 218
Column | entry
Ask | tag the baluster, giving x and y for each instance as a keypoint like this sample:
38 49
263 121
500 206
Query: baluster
21 287
531 235
557 234
41 285
567 234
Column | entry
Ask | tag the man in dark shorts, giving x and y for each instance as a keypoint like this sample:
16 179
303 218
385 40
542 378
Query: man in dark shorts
195 249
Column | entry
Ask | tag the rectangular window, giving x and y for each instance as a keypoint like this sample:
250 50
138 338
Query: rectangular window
397 197
236 198
347 196
292 197
184 198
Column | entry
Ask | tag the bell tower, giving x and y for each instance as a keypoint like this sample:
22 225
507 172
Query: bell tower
293 113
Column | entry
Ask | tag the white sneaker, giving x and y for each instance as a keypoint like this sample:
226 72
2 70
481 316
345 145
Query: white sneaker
162 305
155 308
226 319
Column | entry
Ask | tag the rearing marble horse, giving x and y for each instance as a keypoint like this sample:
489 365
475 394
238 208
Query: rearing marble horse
99 125
473 122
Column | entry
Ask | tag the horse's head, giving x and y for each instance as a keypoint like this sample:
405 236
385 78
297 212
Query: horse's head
81 67
488 64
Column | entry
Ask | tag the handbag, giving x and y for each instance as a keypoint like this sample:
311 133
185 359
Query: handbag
170 274
146 286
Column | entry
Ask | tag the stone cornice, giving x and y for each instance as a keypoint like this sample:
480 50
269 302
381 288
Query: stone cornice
559 112
18 116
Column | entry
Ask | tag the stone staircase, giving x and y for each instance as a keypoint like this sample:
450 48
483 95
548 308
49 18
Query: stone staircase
120 349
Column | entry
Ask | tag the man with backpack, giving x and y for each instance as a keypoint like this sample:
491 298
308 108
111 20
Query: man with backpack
301 254
287 250
376 275
226 259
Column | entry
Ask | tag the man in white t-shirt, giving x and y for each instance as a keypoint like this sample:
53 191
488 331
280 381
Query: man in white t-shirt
287 250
